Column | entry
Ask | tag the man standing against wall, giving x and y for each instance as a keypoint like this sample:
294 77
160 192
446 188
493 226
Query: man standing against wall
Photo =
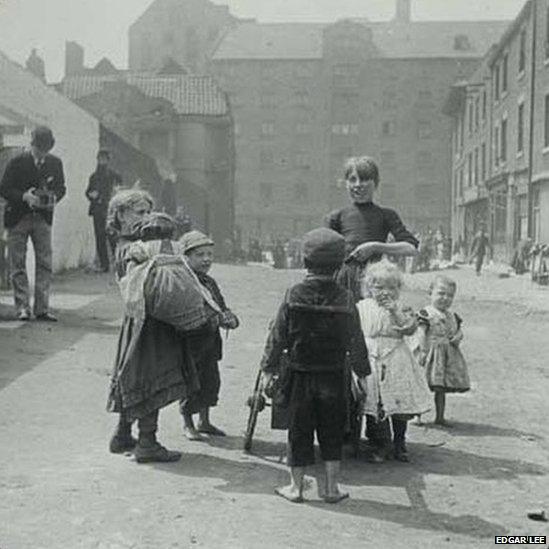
99 192
32 184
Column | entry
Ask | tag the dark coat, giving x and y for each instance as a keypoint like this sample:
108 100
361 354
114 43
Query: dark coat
21 175
318 325
102 181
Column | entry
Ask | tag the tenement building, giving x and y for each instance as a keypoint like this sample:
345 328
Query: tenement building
305 96
501 137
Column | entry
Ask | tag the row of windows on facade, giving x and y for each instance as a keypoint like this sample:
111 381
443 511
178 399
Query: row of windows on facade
340 101
500 79
388 129
500 147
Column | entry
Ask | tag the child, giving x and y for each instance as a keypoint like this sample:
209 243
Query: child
367 226
439 337
318 326
396 387
205 344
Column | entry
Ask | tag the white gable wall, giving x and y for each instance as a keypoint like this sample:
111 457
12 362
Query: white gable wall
77 139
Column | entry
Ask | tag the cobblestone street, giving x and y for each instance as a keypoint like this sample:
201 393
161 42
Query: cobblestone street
61 488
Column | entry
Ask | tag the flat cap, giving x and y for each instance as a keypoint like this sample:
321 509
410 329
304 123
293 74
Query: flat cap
195 239
323 247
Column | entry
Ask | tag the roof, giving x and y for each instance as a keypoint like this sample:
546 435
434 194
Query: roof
417 39
189 94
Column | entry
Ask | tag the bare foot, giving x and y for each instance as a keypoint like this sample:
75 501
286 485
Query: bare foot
192 434
210 429
290 492
336 497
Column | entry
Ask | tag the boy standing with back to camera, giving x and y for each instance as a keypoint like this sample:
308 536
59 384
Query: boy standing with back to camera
318 326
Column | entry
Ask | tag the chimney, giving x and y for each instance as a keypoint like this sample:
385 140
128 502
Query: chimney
74 58
403 11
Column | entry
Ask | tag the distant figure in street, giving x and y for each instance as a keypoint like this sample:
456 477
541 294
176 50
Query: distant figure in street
279 255
100 189
439 338
33 183
521 257
479 246
366 226
317 325
205 344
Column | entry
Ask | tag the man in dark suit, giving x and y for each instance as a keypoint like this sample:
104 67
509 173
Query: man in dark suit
32 184
101 184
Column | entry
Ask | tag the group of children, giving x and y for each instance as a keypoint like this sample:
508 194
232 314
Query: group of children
406 354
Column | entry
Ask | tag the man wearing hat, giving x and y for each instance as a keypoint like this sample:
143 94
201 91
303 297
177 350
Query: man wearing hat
100 188
318 327
206 346
32 185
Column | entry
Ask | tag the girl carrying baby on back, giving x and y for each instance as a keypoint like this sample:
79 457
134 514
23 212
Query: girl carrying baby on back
396 388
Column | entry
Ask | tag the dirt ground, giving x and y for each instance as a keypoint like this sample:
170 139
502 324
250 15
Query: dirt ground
60 488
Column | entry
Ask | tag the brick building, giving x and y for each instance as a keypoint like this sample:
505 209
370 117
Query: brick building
501 137
305 96
183 121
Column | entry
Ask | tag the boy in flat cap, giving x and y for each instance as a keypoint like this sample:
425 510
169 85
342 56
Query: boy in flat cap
206 346
318 326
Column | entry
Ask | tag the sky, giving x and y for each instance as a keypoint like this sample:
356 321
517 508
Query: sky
101 26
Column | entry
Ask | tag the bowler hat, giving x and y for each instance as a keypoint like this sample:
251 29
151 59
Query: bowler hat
42 138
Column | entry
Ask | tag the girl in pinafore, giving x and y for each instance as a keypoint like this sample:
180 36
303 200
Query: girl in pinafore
439 336
396 387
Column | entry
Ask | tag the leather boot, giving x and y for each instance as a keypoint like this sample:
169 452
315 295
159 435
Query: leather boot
148 449
122 440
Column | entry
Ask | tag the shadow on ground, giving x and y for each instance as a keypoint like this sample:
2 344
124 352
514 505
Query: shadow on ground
261 472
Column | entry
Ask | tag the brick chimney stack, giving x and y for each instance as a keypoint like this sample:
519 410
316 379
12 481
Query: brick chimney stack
74 58
403 12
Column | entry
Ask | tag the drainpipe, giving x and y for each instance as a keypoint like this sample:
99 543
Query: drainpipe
532 120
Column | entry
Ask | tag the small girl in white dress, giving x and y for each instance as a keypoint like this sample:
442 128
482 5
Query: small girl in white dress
396 387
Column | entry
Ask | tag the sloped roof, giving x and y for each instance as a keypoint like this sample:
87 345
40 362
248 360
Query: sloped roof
189 94
417 39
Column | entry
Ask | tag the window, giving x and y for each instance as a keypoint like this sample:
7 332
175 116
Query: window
496 146
496 82
346 75
470 116
483 162
302 161
536 215
266 157
301 191
547 33
461 182
268 100
461 131
267 128
345 129
520 128
522 51
390 99
470 169
546 125
475 168
504 73
302 99
424 130
484 104
477 112
266 191
388 128
504 140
